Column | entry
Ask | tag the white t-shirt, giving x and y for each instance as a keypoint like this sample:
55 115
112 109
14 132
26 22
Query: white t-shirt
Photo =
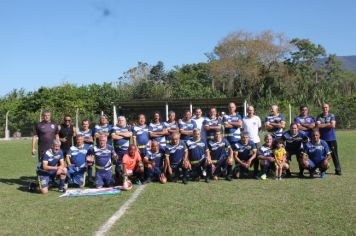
199 121
252 125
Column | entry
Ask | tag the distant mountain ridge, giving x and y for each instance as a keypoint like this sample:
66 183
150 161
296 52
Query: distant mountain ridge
348 62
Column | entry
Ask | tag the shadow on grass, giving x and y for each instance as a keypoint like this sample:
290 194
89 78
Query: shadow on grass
22 182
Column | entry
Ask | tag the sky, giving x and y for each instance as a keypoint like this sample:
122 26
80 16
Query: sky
51 42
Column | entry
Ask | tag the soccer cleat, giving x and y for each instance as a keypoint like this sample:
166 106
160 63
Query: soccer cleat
338 172
207 179
280 178
32 187
185 181
62 190
301 175
322 175
204 173
228 178
138 182
147 181
264 177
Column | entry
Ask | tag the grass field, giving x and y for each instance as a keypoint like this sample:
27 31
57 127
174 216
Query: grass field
241 207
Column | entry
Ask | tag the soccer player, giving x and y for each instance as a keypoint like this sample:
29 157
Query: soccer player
46 131
50 166
199 120
141 137
101 155
293 139
66 134
221 156
86 132
186 126
326 123
305 122
212 124
316 154
121 135
252 125
232 125
158 131
103 129
275 123
132 166
153 162
171 126
244 152
265 156
76 162
176 159
199 156
87 135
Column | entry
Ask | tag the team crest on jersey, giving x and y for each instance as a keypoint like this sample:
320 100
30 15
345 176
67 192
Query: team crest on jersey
52 126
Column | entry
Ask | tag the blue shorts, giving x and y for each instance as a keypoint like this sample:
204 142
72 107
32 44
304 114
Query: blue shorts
154 172
314 164
103 178
45 179
75 175
120 154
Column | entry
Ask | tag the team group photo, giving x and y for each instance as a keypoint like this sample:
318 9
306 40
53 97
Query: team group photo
177 117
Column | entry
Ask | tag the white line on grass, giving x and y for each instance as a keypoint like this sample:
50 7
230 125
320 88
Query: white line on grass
119 213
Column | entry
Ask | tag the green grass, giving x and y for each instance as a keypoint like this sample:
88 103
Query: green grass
243 207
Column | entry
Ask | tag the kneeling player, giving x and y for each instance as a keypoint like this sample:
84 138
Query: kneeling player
219 148
154 164
265 156
244 153
50 166
199 156
76 162
102 156
176 159
132 166
316 154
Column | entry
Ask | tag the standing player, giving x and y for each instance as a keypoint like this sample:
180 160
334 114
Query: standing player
86 132
50 166
103 129
102 154
244 152
46 131
212 124
186 126
171 126
199 156
76 162
141 137
153 162
121 135
176 159
252 125
66 134
219 148
294 139
158 131
275 123
316 154
87 135
199 120
326 123
232 125
305 122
